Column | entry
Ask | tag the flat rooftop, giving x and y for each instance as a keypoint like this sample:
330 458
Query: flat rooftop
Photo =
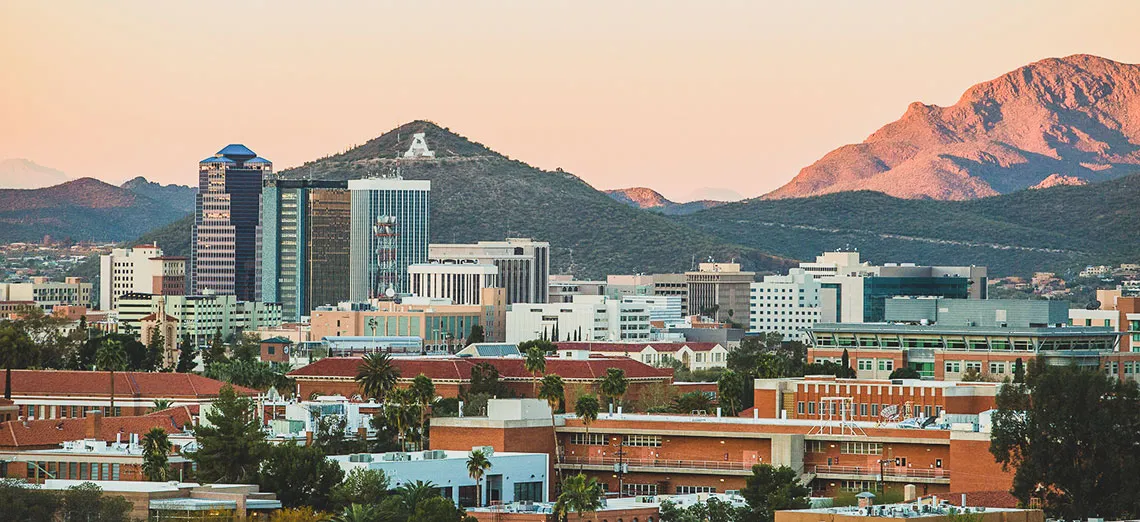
914 510
935 329
415 456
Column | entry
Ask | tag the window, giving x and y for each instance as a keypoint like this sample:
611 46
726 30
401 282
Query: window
811 408
688 490
974 365
886 364
596 439
861 448
640 489
800 407
953 366
643 441
866 364
874 410
531 491
815 446
997 367
863 410
859 486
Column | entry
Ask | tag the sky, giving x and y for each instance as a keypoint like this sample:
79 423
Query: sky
689 98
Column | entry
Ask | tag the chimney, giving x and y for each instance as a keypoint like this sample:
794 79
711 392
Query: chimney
93 424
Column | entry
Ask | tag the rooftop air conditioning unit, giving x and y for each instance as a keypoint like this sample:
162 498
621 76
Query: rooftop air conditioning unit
360 457
435 455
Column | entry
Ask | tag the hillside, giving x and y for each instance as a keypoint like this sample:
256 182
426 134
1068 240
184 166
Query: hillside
1076 117
1047 229
19 173
83 209
478 194
180 197
649 199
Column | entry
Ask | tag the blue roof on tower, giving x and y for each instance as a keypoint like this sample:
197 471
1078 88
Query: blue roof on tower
258 159
237 150
216 159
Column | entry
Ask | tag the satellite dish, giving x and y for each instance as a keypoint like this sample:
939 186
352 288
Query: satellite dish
390 293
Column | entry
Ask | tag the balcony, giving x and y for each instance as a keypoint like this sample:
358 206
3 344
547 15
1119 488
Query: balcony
660 465
890 473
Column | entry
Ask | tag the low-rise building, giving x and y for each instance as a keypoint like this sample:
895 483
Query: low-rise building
926 510
694 356
788 305
822 396
48 294
586 318
563 288
184 500
437 322
199 316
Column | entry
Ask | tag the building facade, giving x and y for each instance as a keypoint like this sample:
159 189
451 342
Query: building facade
720 291
223 246
199 316
788 305
304 244
438 324
463 284
524 264
73 291
142 269
390 226
586 318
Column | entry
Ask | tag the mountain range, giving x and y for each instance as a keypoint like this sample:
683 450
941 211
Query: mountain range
1076 117
20 173
81 209
649 199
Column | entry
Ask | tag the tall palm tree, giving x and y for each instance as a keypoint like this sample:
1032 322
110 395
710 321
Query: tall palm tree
535 364
156 451
579 495
477 466
422 391
553 392
400 412
377 376
111 357
586 408
614 386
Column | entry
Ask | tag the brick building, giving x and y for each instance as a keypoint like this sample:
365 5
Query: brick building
63 394
337 375
804 397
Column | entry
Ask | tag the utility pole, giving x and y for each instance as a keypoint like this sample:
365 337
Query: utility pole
882 482
620 467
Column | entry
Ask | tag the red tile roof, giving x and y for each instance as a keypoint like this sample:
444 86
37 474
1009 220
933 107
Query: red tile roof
456 368
635 347
70 383
53 432
153 316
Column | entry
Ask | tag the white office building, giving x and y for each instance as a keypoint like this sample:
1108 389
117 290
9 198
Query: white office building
664 308
586 318
785 304
389 232
524 264
139 270
462 284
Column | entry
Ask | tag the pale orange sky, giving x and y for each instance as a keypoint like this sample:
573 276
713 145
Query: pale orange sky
671 95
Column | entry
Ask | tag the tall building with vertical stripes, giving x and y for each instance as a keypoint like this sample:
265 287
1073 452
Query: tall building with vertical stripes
304 244
223 247
390 230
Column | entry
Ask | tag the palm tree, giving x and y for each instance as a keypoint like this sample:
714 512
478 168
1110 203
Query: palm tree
477 466
377 376
422 391
579 495
111 357
156 449
553 392
400 411
415 492
614 386
358 513
160 404
586 408
535 364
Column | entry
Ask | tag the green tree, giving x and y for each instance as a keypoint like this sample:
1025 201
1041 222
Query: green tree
477 466
300 514
422 392
186 353
693 401
439 509
376 375
1018 371
254 374
770 489
711 510
730 390
614 386
16 351
401 412
330 437
358 513
535 362
156 450
361 486
23 501
300 475
231 444
579 495
1071 435
217 351
587 408
111 357
414 493
485 379
160 404
86 501
904 372
476 335
155 349
248 348
553 392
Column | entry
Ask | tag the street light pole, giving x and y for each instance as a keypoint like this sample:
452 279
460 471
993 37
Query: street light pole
882 481
620 466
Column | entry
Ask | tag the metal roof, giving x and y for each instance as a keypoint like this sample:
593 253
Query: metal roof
238 152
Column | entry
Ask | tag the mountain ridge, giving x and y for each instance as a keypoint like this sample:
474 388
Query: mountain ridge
1075 116
648 199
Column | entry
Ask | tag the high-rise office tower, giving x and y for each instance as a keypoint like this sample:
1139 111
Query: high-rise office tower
524 264
223 247
390 217
304 244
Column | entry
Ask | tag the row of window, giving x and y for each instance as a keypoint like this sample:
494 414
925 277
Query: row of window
601 439
73 470
846 448
863 409
885 365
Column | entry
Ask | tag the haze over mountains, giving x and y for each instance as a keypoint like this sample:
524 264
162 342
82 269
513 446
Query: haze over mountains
1077 116
20 173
